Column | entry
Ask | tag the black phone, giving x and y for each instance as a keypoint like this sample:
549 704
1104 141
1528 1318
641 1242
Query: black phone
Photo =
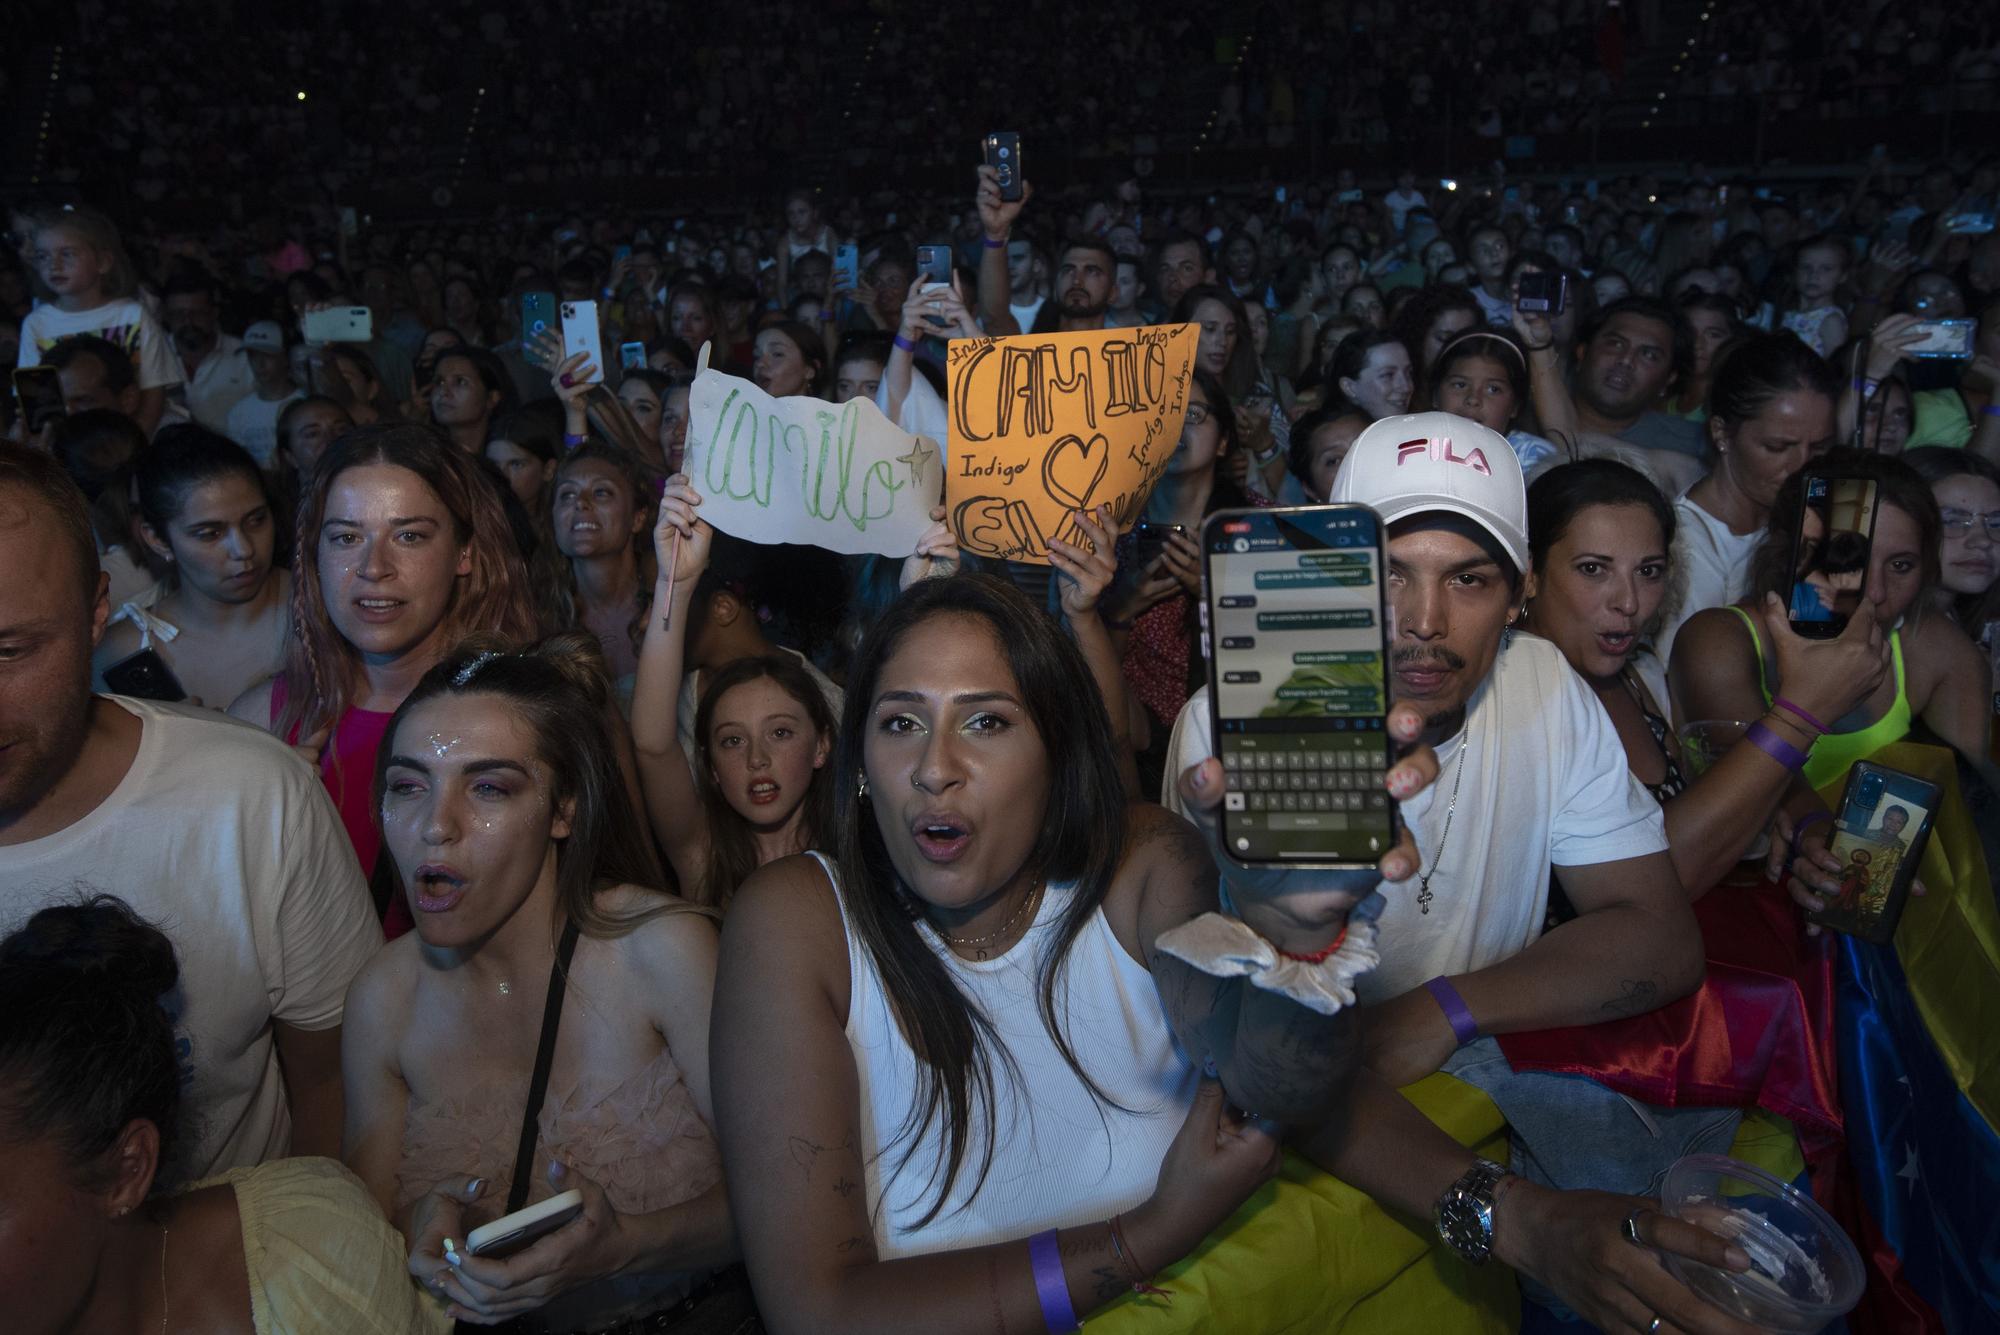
1295 631
1150 539
1003 155
1879 835
1547 293
39 392
1831 542
144 676
538 312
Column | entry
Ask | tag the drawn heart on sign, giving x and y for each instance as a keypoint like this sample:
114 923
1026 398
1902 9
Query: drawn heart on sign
1068 462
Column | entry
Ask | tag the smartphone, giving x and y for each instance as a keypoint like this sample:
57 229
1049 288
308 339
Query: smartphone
514 1232
1879 834
1542 291
1150 539
580 334
145 676
1279 194
1970 223
631 356
1003 155
1295 630
1831 540
847 267
38 389
621 254
538 312
1943 339
934 264
339 324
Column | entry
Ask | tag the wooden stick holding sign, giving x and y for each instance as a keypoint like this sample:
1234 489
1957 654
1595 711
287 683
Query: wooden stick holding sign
834 475
1045 425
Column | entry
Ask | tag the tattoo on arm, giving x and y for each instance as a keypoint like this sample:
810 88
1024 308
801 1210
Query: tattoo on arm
805 1153
993 1292
1635 996
845 1186
1109 1283
852 1244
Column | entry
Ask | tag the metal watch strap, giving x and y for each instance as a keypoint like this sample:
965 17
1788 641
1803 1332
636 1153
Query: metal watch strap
1464 1213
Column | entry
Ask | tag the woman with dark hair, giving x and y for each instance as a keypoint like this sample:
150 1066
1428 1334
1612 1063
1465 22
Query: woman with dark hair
219 622
787 359
959 1030
600 511
305 428
1433 318
513 841
1967 490
1224 349
1722 668
1600 536
1371 373
403 549
98 1234
1713 320
1770 409
468 389
345 373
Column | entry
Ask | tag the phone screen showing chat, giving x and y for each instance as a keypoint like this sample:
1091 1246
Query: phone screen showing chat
1297 632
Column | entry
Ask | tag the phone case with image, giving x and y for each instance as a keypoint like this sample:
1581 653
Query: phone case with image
1878 836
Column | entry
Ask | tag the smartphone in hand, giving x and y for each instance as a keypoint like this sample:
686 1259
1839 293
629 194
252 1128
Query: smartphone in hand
1879 834
1295 630
515 1232
580 333
1832 538
1003 155
538 312
38 389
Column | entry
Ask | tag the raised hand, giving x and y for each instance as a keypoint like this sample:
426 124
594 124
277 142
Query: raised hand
936 555
997 215
1087 571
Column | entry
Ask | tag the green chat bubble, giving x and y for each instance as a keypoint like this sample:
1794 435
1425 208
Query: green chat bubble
1349 618
1361 559
1306 656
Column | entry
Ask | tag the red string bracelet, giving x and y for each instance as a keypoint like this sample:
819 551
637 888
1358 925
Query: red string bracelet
1319 956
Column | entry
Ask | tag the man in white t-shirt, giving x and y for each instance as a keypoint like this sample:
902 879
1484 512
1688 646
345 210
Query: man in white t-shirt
1403 198
253 422
217 833
1532 776
213 367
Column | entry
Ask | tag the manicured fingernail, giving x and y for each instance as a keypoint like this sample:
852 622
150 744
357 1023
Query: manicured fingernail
474 1187
1395 868
450 1252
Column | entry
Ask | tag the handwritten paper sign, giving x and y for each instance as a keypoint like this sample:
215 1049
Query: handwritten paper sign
1043 425
840 476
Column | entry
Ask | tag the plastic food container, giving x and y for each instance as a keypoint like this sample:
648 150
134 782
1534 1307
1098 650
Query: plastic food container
1803 1270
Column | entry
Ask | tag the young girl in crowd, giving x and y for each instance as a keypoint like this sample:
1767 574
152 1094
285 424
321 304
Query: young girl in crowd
955 1031
1371 374
1817 274
600 514
1723 665
514 842
100 1234
788 359
1770 408
93 289
1484 376
1713 321
403 549
220 621
1320 440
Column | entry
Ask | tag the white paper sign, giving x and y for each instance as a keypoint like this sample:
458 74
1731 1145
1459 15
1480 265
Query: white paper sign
839 476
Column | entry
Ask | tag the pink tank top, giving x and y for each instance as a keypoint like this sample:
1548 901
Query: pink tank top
347 768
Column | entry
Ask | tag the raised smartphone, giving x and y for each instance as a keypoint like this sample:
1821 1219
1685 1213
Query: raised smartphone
1831 541
339 324
514 1232
1879 835
1296 631
580 333
1943 339
846 267
1003 155
1544 292
1150 539
538 312
39 392
934 264
631 356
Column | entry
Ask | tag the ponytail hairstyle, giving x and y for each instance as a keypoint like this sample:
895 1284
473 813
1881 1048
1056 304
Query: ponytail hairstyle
322 672
558 688
732 848
85 1046
1080 839
629 471
183 457
1754 369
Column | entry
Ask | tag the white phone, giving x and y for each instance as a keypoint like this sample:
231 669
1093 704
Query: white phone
513 1232
339 324
580 334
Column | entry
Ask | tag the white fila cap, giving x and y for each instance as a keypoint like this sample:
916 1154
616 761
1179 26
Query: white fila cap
1404 466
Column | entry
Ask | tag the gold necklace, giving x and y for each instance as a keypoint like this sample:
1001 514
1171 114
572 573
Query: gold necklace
978 944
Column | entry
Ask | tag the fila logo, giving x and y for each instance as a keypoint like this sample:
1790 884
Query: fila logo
1441 451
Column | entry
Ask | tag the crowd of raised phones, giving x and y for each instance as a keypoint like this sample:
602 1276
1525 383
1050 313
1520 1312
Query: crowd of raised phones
412 811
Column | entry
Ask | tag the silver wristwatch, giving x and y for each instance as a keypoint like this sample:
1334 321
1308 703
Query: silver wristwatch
1464 1213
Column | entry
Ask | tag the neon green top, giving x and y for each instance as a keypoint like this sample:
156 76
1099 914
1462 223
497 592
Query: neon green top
1835 752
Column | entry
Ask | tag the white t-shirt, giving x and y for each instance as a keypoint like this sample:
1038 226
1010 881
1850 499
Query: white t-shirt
219 383
1545 781
1400 202
1024 316
253 424
226 841
124 322
1715 564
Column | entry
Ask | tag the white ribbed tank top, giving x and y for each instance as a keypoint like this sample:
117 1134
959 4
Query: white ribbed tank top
1060 1158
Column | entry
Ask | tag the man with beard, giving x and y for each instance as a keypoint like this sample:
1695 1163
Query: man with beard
1632 354
213 366
216 832
1086 278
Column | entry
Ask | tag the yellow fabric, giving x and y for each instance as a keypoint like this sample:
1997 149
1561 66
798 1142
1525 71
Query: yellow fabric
1310 1255
1770 1142
322 1259
1949 939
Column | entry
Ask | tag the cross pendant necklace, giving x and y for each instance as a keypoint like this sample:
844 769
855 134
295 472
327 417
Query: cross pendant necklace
1424 895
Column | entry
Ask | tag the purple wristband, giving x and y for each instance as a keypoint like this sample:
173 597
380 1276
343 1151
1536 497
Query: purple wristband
571 442
1050 1286
902 343
1810 819
990 243
1782 703
1760 736
1990 410
1453 1006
